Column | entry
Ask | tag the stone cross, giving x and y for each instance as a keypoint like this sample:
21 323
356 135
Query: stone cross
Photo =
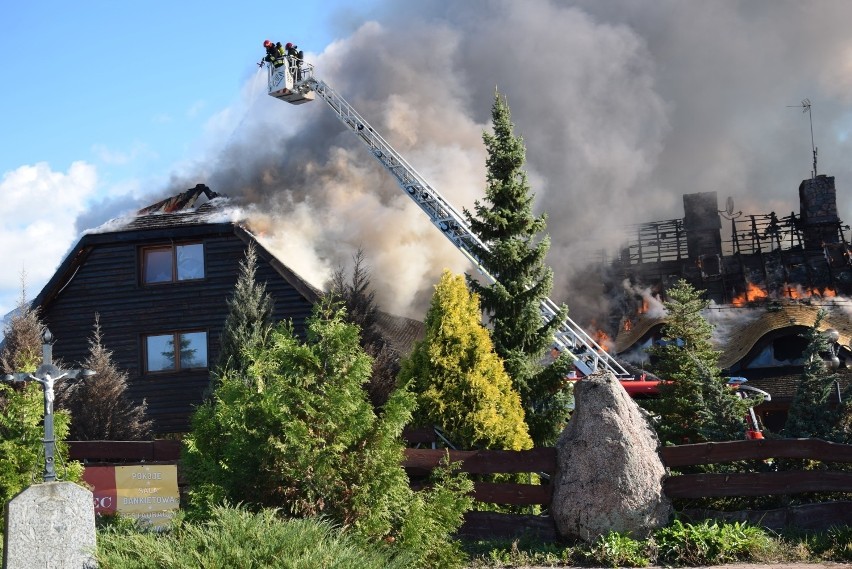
50 524
47 375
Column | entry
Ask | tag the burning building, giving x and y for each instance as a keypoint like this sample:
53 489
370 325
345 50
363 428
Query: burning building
766 275
159 281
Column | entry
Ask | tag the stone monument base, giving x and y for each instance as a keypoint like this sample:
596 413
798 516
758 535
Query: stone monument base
50 525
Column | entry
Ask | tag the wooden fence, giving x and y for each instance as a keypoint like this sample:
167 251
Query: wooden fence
820 479
419 462
790 482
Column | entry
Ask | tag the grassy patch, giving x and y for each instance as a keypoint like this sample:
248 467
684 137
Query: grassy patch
679 544
234 537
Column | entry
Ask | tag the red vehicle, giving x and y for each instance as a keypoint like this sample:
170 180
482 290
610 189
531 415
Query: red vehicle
642 387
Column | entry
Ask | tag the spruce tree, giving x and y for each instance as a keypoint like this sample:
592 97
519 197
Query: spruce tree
810 415
357 297
459 380
99 405
695 403
361 309
22 339
505 222
300 435
249 319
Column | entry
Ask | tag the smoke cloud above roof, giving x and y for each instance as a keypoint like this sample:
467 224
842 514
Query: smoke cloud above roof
623 107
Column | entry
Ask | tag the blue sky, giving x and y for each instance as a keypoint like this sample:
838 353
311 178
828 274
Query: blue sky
130 84
124 91
624 107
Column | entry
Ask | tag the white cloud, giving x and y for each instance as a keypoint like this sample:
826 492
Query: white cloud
120 157
38 209
196 108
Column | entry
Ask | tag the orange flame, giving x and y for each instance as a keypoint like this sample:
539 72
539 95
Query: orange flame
602 338
799 292
628 325
753 292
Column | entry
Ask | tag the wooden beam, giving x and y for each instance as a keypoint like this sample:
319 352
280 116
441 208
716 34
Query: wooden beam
514 494
493 525
111 450
157 450
484 462
813 517
714 453
756 484
166 449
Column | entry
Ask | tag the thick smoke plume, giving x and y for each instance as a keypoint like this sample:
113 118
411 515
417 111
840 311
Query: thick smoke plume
623 107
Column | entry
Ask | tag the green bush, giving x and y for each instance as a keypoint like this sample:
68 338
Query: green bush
297 432
679 544
708 543
21 435
618 550
236 537
21 446
834 544
22 410
516 553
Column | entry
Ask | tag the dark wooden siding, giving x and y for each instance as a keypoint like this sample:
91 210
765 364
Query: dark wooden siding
107 283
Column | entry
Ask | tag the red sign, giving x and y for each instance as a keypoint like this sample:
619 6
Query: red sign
146 492
102 480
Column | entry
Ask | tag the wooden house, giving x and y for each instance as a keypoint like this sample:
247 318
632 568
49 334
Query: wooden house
158 281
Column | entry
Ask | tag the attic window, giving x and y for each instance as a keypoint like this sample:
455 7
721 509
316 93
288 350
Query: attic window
172 263
175 351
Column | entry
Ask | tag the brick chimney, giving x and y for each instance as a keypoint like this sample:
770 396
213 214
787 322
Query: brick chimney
818 211
702 224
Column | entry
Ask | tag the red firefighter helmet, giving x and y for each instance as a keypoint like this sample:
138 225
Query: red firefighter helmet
289 45
267 43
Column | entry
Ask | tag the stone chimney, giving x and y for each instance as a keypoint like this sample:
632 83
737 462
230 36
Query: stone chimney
818 211
702 224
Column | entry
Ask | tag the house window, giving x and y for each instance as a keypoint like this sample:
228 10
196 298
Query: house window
172 263
176 351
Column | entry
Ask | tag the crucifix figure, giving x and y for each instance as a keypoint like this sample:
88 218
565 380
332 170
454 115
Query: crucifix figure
47 375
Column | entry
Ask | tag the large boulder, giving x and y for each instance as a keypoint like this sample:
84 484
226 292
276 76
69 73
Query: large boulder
609 473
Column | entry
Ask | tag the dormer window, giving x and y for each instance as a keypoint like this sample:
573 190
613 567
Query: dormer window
172 263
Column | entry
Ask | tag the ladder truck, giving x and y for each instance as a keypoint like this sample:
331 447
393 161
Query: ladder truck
292 80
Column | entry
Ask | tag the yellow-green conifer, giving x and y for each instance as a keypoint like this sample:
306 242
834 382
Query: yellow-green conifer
460 381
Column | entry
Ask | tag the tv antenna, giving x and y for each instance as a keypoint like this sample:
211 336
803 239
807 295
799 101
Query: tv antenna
806 108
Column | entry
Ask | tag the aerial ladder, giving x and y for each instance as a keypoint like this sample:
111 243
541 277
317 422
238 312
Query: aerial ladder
292 80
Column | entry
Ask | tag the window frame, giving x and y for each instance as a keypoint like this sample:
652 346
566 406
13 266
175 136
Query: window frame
178 368
172 248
